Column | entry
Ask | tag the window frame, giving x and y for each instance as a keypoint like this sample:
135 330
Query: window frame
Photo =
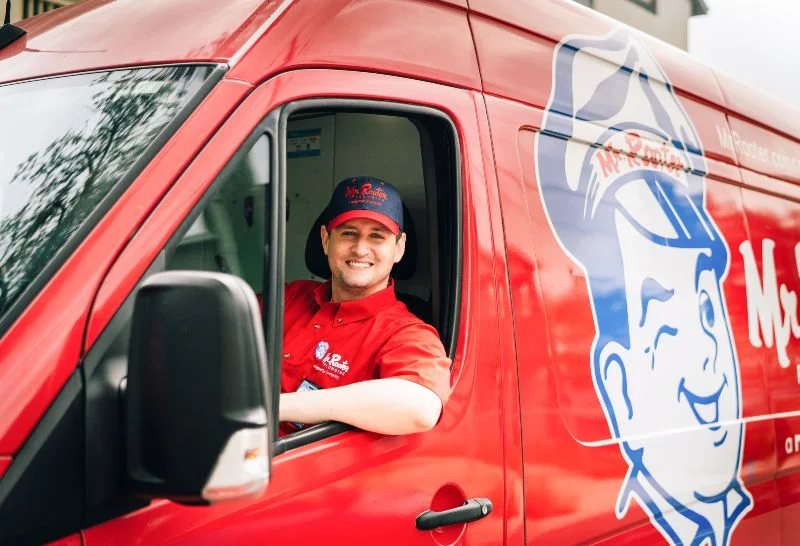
107 356
649 5
452 308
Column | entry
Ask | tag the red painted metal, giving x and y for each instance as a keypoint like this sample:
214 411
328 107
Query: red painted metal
348 34
5 462
102 33
71 540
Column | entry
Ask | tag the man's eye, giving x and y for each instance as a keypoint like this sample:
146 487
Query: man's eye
707 315
377 236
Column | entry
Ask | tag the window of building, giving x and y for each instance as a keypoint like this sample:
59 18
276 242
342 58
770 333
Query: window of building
35 7
649 5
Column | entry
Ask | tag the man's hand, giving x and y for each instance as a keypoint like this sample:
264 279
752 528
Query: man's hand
387 406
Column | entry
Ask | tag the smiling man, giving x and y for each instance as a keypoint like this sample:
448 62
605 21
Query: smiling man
621 173
353 353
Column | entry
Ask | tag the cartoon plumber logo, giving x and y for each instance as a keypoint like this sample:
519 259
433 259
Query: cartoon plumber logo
621 175
321 350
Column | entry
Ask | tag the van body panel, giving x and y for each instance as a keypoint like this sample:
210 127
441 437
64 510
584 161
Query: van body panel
392 478
43 347
761 150
763 109
770 254
514 464
553 457
556 267
511 37
111 35
349 34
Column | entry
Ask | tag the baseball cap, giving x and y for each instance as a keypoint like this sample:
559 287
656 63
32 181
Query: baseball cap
365 197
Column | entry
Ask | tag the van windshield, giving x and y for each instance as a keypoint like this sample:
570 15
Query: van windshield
65 143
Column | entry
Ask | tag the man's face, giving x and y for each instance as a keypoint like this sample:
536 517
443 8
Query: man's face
361 254
681 375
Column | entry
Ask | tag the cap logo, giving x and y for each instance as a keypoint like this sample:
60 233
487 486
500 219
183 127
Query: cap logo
366 194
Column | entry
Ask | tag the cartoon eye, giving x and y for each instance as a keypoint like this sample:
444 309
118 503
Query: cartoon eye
707 316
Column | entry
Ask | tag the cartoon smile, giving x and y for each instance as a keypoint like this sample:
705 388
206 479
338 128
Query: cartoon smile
705 408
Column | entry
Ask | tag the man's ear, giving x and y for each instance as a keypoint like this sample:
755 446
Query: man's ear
612 374
400 248
323 233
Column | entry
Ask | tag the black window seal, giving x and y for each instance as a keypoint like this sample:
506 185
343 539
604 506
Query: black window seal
386 107
89 223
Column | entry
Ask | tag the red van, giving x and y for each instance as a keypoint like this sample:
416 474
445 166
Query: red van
603 231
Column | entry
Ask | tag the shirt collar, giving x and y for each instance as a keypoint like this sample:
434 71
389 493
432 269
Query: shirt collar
352 311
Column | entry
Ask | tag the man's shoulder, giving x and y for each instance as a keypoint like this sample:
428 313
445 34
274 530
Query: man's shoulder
300 287
402 319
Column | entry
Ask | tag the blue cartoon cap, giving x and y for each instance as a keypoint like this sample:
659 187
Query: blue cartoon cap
615 141
365 197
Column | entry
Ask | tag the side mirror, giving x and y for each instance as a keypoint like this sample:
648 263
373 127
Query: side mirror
197 394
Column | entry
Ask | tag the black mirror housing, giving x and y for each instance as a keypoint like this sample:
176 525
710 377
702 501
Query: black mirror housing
197 394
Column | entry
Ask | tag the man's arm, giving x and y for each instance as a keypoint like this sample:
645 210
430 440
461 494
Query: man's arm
387 406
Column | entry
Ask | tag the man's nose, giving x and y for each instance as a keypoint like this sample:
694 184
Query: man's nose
361 246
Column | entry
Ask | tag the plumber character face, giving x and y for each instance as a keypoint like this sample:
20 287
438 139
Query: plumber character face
679 372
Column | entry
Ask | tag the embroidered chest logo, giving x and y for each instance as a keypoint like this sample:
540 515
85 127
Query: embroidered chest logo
330 363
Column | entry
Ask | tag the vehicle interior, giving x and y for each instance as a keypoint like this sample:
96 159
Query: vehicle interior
415 152
322 148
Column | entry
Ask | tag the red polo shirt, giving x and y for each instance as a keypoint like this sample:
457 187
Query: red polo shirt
327 344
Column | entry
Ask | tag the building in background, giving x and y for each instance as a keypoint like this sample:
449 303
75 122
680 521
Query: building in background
664 19
22 9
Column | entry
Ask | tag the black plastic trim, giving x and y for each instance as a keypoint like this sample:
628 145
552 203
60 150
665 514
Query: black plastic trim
105 370
41 493
24 299
471 510
309 435
10 33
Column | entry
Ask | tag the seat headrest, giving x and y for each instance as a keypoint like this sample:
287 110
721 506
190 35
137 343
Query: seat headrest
317 262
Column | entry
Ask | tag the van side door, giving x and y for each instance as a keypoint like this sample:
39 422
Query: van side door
644 412
332 484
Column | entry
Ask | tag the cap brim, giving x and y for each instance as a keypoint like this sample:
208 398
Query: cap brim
382 219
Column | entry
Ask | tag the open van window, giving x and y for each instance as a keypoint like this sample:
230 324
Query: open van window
75 139
416 152
325 141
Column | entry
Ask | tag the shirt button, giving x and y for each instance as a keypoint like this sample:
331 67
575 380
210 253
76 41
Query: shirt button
338 321
287 355
316 327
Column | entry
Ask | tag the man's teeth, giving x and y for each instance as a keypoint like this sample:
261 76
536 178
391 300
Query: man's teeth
361 265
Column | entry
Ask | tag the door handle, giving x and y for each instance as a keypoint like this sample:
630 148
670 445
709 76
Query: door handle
471 510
